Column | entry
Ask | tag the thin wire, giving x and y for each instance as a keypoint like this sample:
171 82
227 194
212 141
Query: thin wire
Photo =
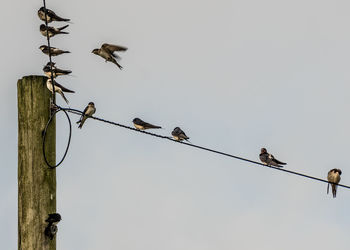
69 138
78 112
48 44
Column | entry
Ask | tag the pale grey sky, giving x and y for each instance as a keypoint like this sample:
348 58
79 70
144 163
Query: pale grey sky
235 76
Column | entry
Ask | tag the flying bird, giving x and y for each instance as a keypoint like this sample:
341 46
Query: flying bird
53 51
179 135
107 52
55 71
141 125
58 88
269 159
51 16
88 111
333 178
54 218
44 30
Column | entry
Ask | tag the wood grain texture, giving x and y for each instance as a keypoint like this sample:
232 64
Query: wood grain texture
36 182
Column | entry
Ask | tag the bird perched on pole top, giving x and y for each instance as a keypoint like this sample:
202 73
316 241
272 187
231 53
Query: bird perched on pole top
179 135
107 52
56 71
88 111
53 51
44 30
269 159
51 16
58 88
333 178
141 125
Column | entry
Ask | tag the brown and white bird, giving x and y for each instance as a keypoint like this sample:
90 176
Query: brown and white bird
141 125
269 159
44 30
51 16
179 135
107 52
333 178
88 111
55 71
54 51
58 88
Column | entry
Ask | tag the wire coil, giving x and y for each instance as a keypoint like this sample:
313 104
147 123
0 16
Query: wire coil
69 138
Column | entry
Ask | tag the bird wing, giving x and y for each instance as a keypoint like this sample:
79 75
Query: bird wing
111 48
63 88
276 161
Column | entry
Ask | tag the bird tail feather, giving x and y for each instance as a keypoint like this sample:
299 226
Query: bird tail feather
64 97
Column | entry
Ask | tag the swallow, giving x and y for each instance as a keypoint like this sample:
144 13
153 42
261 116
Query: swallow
333 179
107 52
269 159
44 30
56 71
53 51
141 125
54 218
88 111
179 135
51 16
51 231
58 88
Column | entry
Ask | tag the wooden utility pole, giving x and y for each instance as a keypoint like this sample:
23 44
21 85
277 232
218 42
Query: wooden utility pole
36 182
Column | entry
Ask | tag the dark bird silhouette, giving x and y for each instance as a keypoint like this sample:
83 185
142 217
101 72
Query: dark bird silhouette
44 30
269 159
55 71
107 52
58 88
88 111
51 16
179 135
54 218
141 125
333 178
54 51
51 230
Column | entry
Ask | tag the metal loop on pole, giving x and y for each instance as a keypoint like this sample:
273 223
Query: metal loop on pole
69 138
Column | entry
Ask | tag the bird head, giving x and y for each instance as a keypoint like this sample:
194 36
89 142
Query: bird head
95 51
136 120
42 47
263 150
42 27
91 104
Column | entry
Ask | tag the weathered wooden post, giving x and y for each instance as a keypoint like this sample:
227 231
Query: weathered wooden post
36 182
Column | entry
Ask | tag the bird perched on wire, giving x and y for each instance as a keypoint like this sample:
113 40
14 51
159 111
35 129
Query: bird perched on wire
55 71
107 52
269 159
141 125
333 178
58 88
51 229
51 16
179 135
53 51
44 30
88 111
